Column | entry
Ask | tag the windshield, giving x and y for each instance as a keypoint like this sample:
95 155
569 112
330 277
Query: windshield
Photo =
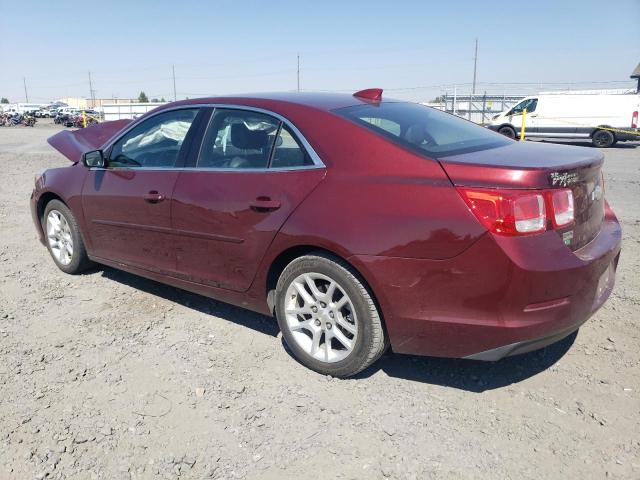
423 129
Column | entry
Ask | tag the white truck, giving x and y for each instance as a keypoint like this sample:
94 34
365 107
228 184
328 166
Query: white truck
603 118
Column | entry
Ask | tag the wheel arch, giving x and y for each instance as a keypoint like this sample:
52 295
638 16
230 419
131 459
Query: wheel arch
285 257
44 199
607 128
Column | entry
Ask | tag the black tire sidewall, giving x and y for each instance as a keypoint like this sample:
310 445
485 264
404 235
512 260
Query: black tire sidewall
78 259
610 136
353 363
512 131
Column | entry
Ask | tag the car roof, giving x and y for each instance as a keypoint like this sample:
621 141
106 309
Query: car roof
316 100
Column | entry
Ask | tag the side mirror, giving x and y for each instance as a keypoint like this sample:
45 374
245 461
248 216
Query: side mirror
94 159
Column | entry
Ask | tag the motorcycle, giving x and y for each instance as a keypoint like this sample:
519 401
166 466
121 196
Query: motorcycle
28 121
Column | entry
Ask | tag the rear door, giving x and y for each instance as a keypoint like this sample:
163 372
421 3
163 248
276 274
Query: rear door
127 205
251 172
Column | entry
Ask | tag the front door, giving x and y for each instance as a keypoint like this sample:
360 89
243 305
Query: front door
127 205
516 114
250 174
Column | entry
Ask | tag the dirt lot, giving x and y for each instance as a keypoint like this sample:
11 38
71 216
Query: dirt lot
106 375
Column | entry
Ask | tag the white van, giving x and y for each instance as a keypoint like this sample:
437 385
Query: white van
603 118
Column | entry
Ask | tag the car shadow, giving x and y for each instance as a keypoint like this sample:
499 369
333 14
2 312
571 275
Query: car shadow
469 375
240 316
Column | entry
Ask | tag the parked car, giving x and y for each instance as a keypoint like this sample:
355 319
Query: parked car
358 222
43 113
603 119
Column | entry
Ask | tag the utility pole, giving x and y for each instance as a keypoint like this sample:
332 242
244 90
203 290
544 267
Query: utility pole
92 93
173 71
475 66
473 87
26 95
298 76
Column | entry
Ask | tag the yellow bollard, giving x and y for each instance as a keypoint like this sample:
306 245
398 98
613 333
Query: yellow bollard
524 122
84 120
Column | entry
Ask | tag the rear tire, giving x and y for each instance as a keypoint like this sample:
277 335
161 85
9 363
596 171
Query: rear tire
603 138
507 132
63 237
327 316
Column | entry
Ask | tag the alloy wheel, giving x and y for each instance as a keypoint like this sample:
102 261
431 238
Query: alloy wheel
59 237
321 317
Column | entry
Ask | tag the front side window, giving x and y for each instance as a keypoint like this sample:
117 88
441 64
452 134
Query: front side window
423 129
238 139
530 104
155 142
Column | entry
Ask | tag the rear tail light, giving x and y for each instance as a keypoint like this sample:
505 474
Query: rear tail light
519 212
507 212
634 120
562 207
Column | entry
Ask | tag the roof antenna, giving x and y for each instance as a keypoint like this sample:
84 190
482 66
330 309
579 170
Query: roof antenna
374 94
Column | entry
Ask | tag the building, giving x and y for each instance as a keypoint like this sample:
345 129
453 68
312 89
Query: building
118 111
83 103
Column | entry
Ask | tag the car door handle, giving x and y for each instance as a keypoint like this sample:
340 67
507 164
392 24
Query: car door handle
264 204
153 197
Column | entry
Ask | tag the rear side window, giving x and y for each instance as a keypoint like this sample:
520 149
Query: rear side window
243 139
423 129
238 139
288 152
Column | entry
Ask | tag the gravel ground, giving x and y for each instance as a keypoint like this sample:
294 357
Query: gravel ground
107 375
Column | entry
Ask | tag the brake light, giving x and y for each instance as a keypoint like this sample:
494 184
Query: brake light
562 207
507 212
634 119
519 212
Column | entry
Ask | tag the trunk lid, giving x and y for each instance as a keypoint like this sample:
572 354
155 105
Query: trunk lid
532 165
74 143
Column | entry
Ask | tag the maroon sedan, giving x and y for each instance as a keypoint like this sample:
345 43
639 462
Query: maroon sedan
359 222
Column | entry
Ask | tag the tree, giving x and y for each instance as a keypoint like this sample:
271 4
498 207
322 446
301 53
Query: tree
162 100
4 100
142 98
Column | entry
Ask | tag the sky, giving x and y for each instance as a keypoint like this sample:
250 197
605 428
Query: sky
415 50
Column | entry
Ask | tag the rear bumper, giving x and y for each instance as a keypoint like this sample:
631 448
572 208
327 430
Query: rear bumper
503 296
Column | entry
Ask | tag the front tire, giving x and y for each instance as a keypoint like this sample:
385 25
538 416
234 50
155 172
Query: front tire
64 240
507 132
328 317
603 138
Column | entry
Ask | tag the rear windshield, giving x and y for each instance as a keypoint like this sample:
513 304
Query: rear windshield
423 129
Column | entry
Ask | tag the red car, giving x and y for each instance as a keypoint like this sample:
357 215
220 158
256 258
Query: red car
359 222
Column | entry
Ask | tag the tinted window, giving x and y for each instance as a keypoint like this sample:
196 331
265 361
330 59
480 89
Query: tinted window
530 104
288 152
238 139
156 142
423 129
